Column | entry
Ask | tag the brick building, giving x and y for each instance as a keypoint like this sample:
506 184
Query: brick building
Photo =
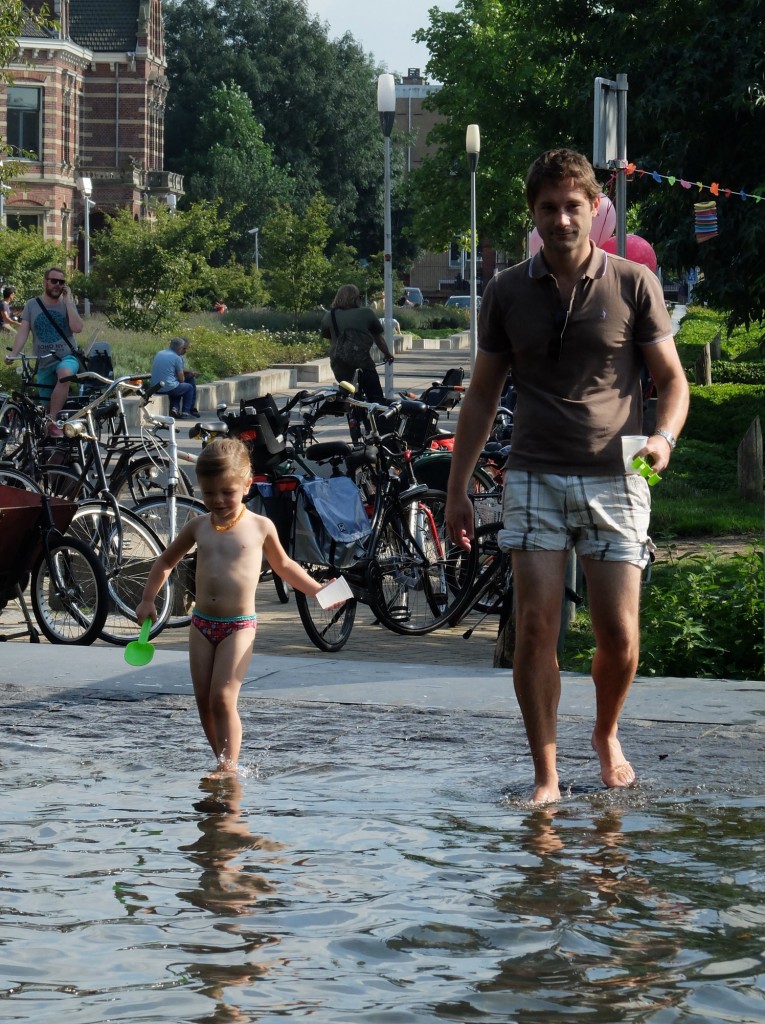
87 101
441 274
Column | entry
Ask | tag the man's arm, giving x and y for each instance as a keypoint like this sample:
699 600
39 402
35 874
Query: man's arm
665 367
477 411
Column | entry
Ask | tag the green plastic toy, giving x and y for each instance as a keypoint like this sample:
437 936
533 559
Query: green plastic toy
140 652
646 470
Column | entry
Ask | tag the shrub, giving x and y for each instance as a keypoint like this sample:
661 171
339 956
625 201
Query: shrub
725 372
701 616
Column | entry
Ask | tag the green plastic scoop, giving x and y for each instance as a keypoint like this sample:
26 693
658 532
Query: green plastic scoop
140 652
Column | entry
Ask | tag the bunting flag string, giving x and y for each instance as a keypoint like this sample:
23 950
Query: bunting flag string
715 188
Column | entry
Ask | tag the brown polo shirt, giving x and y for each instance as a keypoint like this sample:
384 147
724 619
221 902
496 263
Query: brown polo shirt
577 394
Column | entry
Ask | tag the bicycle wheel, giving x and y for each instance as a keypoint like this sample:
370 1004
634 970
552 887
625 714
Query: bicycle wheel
326 628
12 477
69 593
13 419
156 513
127 549
146 477
416 576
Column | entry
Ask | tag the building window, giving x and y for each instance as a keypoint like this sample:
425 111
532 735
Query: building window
23 134
457 256
17 221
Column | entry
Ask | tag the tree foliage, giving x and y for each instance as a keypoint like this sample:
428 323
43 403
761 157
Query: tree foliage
231 163
696 110
25 255
146 272
298 271
315 98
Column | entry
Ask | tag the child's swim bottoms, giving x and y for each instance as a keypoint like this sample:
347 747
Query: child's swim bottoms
215 630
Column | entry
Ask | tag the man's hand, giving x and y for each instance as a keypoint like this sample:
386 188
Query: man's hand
460 521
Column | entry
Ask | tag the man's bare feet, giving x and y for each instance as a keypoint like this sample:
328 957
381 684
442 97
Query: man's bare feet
546 794
615 770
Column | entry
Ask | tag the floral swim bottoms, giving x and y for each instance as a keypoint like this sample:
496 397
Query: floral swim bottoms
215 630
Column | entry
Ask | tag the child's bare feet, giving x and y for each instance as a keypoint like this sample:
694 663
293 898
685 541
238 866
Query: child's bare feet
615 770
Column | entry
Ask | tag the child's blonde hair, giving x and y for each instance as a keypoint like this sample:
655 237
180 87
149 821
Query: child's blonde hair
224 455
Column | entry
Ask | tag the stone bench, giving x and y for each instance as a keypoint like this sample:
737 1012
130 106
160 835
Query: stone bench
230 391
454 343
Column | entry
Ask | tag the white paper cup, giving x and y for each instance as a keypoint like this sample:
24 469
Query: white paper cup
334 593
631 445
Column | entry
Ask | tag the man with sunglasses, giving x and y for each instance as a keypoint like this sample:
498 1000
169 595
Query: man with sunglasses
575 326
53 321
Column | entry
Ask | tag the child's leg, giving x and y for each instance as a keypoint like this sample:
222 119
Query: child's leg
232 656
201 659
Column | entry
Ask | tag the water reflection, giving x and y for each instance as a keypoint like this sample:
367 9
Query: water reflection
230 886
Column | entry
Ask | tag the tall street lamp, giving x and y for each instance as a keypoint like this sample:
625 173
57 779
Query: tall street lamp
85 185
386 107
473 148
256 233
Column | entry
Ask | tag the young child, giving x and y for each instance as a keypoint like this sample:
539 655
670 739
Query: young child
231 542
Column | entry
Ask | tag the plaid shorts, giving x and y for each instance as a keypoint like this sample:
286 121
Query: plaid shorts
602 517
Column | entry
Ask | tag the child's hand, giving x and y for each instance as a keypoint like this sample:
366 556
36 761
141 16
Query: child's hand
342 597
146 610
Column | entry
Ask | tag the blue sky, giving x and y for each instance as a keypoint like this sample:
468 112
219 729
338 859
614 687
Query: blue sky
383 29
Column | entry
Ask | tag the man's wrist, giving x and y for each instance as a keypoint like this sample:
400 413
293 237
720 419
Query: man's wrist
668 437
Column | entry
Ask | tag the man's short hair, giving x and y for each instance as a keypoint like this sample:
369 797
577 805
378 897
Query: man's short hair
557 166
8 291
177 344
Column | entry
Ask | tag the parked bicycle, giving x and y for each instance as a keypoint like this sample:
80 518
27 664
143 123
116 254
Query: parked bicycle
67 584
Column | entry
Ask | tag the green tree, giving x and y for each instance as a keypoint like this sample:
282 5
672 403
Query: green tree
297 269
231 163
25 255
146 272
696 111
315 97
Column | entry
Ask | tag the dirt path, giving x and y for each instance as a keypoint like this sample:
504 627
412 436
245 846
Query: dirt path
702 545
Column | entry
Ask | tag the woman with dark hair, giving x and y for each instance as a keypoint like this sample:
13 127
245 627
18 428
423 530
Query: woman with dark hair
353 329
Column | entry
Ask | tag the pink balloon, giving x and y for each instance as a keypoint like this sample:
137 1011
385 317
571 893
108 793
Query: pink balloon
636 249
535 242
604 221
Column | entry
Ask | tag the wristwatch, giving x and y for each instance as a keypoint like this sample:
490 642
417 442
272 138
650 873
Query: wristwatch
669 438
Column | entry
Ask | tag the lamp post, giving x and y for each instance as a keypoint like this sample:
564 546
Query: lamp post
256 233
386 107
473 148
85 185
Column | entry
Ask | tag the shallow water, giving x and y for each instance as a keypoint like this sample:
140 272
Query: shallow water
371 865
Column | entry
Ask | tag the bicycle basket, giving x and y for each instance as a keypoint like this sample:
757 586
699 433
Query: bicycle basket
20 513
331 524
261 426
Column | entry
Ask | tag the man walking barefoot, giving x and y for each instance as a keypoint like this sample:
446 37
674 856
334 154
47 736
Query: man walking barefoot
576 326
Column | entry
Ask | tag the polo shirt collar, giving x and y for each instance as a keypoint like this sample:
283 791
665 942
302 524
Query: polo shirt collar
596 265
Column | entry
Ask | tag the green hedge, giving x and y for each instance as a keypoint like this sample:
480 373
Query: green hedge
722 413
725 372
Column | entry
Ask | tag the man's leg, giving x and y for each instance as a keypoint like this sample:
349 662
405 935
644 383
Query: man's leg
538 582
613 592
